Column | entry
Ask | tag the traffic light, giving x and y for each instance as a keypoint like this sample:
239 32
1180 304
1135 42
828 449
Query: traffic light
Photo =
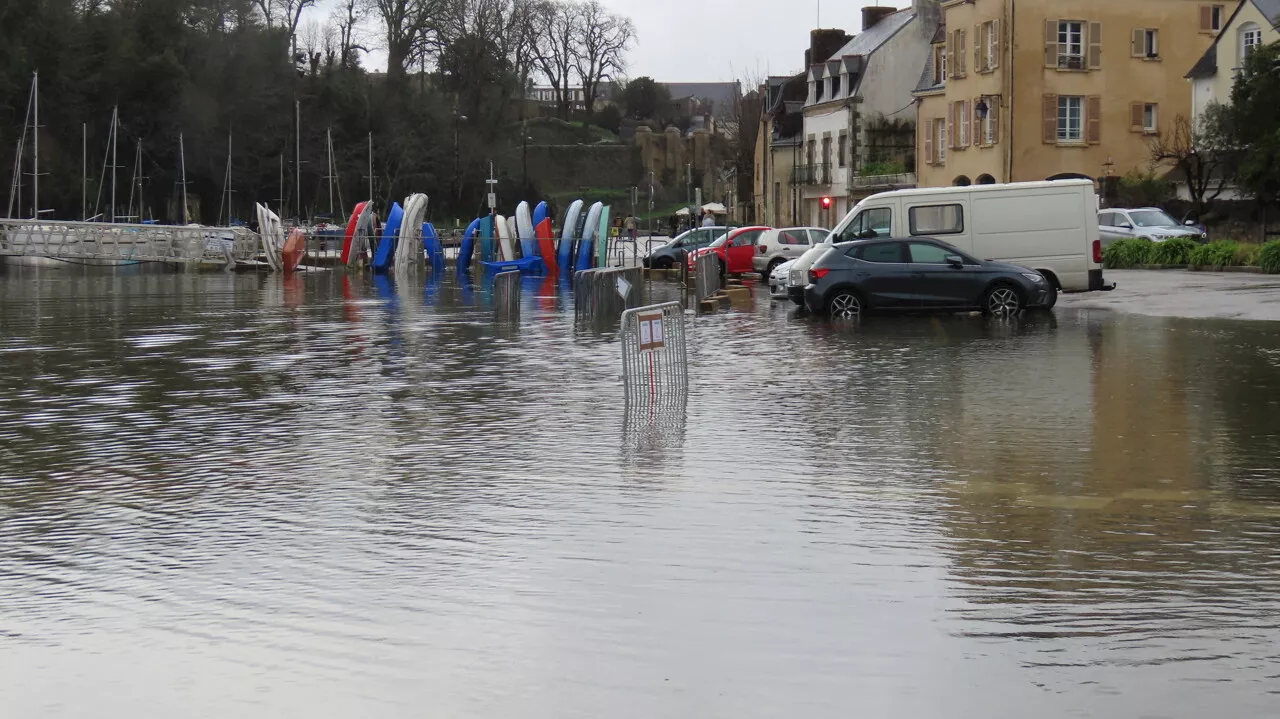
826 203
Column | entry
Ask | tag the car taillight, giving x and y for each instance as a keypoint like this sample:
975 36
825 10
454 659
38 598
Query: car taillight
1097 251
762 249
817 273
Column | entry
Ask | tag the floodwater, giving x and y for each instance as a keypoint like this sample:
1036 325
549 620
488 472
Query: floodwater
237 495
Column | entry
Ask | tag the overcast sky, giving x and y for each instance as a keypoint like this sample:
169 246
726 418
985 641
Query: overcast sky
716 40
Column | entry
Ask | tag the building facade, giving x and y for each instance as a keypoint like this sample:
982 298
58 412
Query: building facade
862 90
1062 88
778 145
1253 24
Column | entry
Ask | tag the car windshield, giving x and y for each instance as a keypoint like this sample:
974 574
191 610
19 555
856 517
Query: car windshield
1152 218
720 240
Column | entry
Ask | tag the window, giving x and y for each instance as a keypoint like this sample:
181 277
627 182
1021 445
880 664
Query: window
883 252
1146 43
872 219
935 220
1250 39
821 86
1144 117
940 140
746 239
835 86
1070 118
986 120
817 237
958 122
1071 44
986 46
843 148
926 254
939 65
993 45
791 237
1149 117
826 160
1106 219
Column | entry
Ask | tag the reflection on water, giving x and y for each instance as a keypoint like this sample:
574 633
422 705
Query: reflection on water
331 496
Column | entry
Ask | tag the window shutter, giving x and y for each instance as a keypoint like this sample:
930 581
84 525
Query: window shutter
964 63
993 113
995 46
1139 40
1093 119
966 136
951 126
951 55
1206 18
1095 46
928 143
1050 43
1136 111
1050 119
979 137
978 44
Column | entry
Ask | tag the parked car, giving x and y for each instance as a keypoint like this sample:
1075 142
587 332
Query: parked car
677 251
1152 223
919 274
736 250
1051 227
778 280
778 246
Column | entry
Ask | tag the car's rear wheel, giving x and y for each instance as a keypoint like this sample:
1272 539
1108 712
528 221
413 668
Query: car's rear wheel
663 263
1003 301
845 304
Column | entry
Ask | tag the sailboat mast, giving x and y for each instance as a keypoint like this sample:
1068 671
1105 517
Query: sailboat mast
297 153
35 147
328 140
226 185
371 167
15 188
84 171
115 147
182 161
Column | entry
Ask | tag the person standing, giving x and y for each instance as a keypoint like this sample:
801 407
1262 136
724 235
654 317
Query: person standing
708 220
631 227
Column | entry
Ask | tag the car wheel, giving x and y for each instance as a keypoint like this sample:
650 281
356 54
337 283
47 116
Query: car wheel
663 263
768 272
724 273
1002 300
845 304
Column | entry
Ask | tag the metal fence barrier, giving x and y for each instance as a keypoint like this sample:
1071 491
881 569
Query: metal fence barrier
655 360
506 296
600 296
114 243
706 280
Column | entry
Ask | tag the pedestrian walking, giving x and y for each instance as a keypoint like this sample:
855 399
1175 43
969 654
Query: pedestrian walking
708 220
631 227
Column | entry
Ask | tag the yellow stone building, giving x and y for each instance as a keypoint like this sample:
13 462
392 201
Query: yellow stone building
1046 89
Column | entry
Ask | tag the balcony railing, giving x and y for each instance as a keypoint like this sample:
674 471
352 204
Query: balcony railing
906 179
817 174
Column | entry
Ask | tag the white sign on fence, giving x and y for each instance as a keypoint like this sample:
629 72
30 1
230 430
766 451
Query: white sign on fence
651 333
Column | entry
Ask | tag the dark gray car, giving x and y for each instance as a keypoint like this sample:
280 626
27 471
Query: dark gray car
919 274
674 253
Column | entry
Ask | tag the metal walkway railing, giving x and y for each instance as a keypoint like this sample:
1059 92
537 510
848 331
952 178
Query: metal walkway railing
121 242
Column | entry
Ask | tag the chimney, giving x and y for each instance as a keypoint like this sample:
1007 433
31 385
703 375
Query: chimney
873 15
823 44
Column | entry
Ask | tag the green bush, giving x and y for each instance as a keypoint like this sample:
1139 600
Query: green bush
1123 254
1215 254
1247 255
1269 257
1173 251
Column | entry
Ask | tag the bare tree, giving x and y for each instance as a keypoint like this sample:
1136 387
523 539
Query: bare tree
413 31
283 13
348 17
606 37
1201 153
557 27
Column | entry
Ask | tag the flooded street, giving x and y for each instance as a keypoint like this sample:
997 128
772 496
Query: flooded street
250 496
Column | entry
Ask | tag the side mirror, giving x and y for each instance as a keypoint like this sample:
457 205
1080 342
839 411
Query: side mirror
955 261
1190 223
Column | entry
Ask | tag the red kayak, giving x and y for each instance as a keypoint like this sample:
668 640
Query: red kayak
547 245
351 233
294 248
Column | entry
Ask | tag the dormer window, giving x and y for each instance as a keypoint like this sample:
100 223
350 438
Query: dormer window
835 86
821 86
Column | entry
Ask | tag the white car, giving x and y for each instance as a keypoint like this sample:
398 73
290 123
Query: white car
778 280
1152 223
777 246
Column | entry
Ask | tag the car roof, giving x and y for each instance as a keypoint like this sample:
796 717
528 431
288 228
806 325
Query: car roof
752 228
875 240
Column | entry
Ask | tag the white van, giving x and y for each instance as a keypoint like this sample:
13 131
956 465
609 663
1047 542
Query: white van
1051 227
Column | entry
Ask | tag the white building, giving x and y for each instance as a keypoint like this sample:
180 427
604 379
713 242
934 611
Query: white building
865 86
1254 23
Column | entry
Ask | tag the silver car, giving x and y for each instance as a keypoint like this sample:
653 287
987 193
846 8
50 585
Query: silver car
1152 223
777 246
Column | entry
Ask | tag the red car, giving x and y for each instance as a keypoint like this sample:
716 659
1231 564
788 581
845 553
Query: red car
735 250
